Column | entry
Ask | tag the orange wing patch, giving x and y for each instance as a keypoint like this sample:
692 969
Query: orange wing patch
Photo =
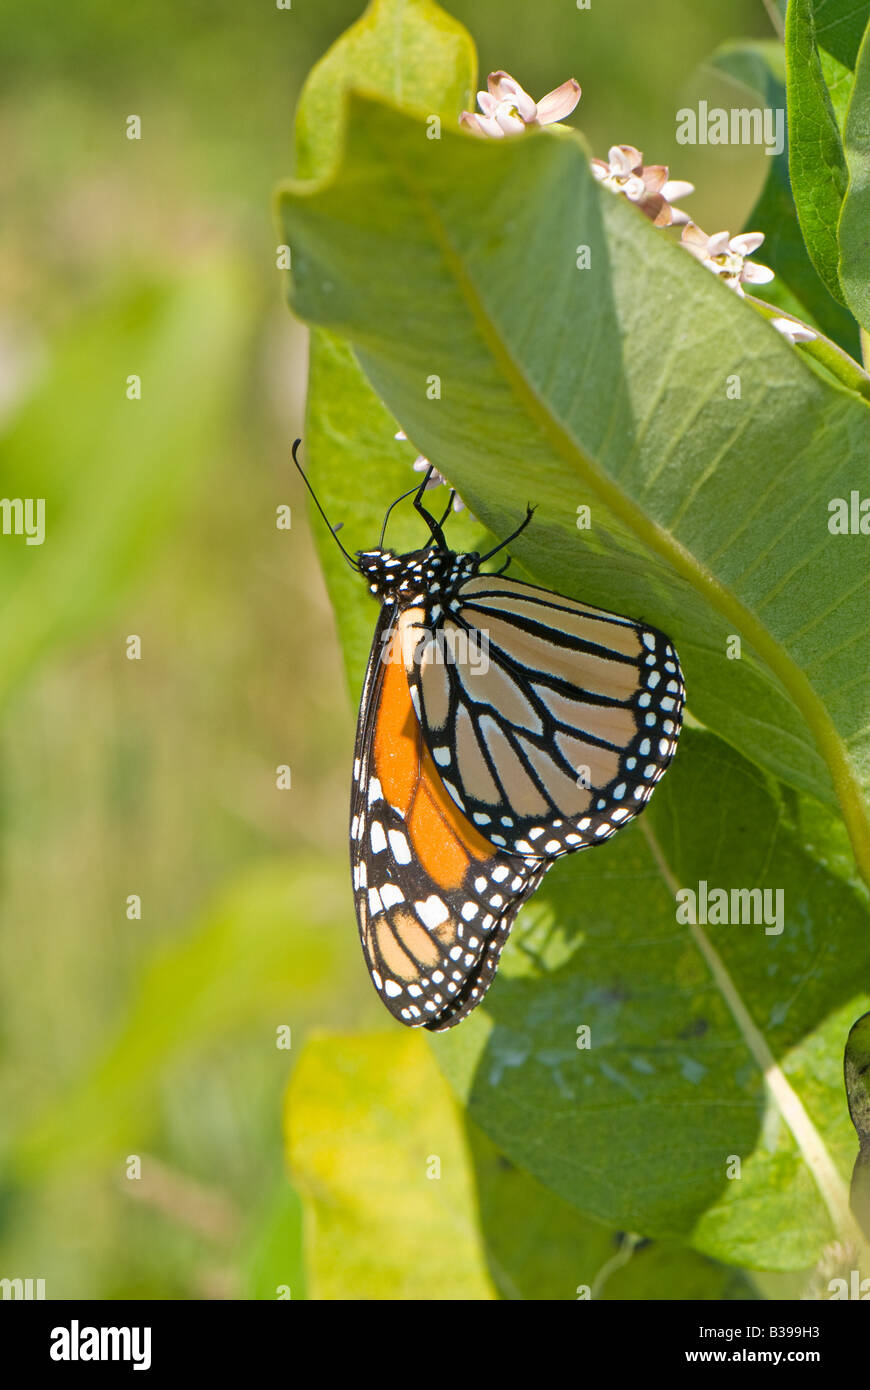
442 839
435 900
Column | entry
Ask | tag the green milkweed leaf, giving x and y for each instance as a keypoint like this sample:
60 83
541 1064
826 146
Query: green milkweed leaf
854 228
539 1247
840 26
798 289
816 161
450 269
705 1102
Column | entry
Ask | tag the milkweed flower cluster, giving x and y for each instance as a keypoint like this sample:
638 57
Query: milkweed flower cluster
727 256
507 109
648 187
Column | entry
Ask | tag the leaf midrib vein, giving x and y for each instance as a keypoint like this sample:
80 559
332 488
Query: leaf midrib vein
831 1187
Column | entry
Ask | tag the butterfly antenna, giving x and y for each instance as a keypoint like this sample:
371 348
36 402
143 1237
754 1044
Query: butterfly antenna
332 529
530 512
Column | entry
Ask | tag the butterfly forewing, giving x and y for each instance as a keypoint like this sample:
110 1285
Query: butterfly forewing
435 900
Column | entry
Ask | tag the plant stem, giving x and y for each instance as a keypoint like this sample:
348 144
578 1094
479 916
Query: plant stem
816 1155
775 17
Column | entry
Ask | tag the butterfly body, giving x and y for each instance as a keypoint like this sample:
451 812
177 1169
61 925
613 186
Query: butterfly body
501 727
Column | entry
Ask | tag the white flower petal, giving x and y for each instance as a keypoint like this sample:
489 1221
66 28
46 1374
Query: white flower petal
654 177
623 159
509 122
747 242
719 244
559 103
675 189
754 274
422 465
693 235
481 125
506 88
495 84
695 241
634 189
796 332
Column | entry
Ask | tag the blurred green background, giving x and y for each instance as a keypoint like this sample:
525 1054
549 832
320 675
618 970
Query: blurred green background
157 1037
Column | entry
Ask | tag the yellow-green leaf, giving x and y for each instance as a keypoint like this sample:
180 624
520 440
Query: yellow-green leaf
379 1156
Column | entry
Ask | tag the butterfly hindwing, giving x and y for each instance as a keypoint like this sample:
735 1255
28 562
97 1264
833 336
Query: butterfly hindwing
435 900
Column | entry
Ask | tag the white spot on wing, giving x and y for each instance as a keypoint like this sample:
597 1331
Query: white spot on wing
400 848
432 912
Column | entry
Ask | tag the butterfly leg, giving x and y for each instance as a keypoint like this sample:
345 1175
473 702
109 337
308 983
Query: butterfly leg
448 507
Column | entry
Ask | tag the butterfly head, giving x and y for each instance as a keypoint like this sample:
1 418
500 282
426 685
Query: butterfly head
408 578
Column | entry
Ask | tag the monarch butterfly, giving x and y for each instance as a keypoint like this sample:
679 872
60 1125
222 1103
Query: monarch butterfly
501 726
